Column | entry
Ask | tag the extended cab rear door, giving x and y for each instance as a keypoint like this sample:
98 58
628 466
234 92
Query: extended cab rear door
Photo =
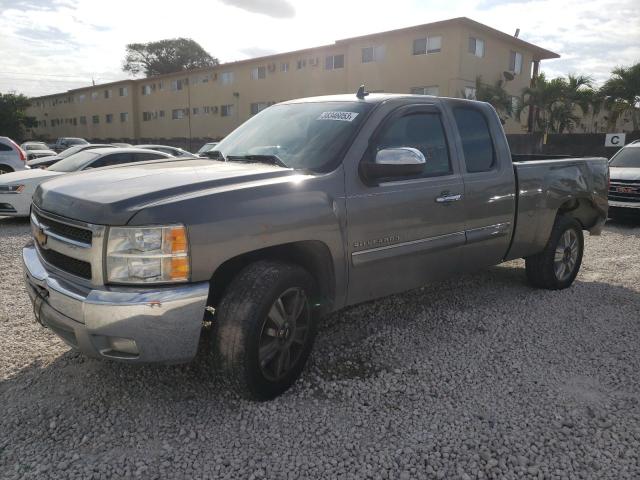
489 183
404 232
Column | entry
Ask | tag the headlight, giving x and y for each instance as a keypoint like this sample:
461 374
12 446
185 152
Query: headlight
11 188
148 254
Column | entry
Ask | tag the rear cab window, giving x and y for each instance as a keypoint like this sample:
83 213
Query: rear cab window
477 143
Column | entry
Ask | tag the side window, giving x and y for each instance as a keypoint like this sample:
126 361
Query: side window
423 131
112 159
477 144
5 148
141 157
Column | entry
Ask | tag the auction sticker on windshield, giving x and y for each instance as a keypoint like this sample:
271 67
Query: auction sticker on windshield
342 116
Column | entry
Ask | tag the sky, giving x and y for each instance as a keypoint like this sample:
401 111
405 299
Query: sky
49 46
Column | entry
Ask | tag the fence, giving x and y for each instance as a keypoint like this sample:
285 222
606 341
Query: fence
574 144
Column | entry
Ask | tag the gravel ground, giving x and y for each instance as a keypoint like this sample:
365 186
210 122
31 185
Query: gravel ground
481 377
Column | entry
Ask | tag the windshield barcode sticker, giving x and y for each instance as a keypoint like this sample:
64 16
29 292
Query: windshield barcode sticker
342 116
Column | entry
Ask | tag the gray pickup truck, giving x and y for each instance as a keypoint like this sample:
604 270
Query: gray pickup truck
309 206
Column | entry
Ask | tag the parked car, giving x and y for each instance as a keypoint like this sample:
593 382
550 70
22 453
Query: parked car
12 157
624 189
36 150
175 151
48 161
63 143
16 189
207 147
318 204
123 145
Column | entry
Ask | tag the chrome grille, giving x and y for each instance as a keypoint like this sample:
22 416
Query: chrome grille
624 190
70 247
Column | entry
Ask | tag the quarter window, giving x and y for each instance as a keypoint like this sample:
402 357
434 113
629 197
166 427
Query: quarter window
477 145
423 131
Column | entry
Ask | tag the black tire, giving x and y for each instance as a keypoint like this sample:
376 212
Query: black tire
244 329
4 169
550 269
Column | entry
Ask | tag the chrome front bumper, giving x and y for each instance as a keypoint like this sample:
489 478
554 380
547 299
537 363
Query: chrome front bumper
136 325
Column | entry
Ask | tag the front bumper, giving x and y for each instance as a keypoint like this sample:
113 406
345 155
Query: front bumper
15 204
136 325
633 206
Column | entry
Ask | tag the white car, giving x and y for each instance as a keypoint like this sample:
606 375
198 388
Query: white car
36 150
12 157
17 188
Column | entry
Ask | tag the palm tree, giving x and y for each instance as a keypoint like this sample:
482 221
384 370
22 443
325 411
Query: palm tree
622 93
497 96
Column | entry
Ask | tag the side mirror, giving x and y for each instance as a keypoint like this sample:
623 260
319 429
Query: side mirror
394 162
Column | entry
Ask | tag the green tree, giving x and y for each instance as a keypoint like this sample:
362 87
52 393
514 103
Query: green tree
496 95
166 56
13 118
622 93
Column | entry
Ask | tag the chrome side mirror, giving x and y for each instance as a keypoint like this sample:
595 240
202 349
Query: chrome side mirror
395 162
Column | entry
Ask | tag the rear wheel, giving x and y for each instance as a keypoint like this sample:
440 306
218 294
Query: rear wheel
264 329
557 266
4 169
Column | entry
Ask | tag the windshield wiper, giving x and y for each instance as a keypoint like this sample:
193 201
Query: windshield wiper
269 159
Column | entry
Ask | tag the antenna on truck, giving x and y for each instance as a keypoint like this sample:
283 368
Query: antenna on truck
361 93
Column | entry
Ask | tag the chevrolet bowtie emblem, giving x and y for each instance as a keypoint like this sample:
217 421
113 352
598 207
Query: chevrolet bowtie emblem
40 236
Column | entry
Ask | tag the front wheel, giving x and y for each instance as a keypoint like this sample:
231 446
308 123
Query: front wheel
4 169
557 266
264 329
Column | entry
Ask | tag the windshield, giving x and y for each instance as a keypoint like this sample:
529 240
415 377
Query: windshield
301 135
207 147
627 157
74 162
70 151
36 146
76 141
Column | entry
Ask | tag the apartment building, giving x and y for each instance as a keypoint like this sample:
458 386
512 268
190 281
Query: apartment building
441 58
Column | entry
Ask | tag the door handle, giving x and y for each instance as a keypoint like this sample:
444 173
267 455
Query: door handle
446 197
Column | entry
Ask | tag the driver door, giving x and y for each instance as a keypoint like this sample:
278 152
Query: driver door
404 232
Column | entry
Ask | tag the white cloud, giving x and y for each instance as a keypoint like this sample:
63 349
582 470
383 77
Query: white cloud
592 36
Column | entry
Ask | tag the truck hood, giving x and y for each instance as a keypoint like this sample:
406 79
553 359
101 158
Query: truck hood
112 195
619 173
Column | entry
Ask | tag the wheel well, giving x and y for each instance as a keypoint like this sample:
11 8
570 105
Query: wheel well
582 210
313 256
7 167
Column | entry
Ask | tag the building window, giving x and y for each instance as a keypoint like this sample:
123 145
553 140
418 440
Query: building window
146 116
161 112
372 54
226 110
205 79
124 91
177 114
94 95
74 120
300 64
207 110
284 67
226 78
124 117
258 107
258 73
108 93
81 98
515 62
177 84
196 110
432 90
83 120
160 85
95 119
109 117
476 47
470 93
422 46
146 90
333 62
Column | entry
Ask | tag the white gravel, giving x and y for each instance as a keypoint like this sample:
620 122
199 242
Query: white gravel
479 377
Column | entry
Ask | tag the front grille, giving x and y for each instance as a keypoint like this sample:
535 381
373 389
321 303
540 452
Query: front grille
64 230
630 191
73 266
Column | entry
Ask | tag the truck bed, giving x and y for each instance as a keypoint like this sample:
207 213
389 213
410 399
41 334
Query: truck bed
546 186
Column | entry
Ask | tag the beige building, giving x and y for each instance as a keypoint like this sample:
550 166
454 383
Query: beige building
442 58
